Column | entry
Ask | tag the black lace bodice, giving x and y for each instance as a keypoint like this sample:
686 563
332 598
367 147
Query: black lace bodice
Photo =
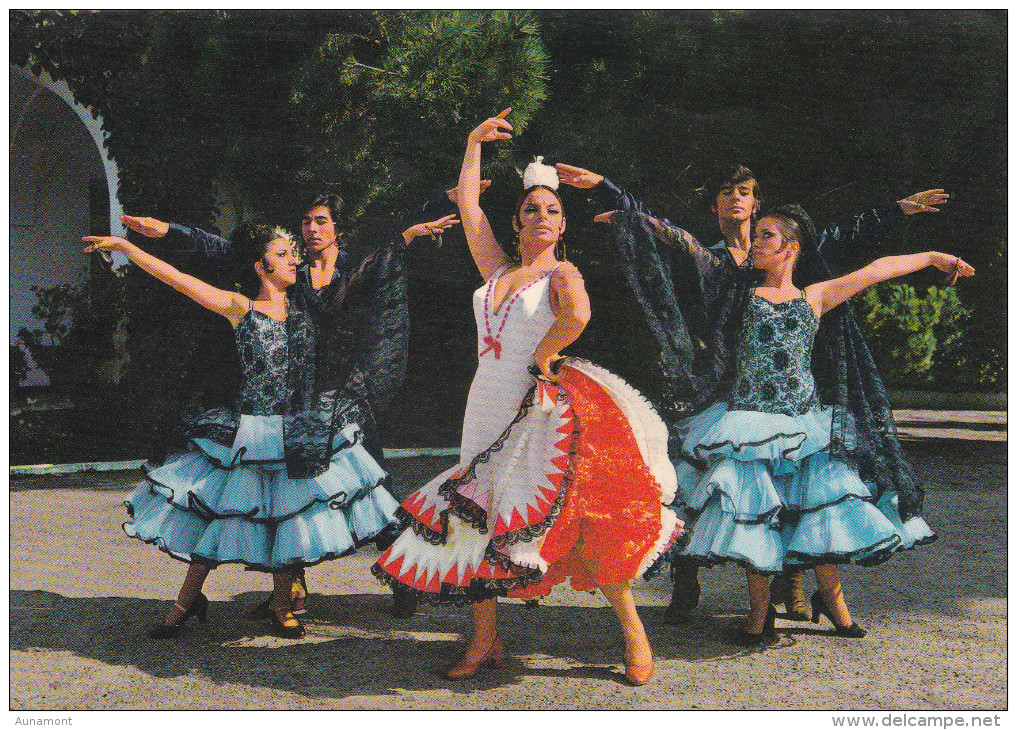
682 286
262 345
772 371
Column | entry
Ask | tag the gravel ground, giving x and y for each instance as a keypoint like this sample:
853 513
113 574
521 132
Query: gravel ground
83 594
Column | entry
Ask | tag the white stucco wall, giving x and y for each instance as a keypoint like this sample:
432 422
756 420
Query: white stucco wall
55 152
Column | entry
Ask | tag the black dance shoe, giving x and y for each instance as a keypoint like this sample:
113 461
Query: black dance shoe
404 602
684 594
767 636
854 631
198 607
284 631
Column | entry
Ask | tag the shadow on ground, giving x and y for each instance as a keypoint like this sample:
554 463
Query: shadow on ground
353 647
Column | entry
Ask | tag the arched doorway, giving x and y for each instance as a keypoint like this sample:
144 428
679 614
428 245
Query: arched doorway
63 186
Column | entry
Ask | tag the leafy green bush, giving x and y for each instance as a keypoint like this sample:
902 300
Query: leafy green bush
909 334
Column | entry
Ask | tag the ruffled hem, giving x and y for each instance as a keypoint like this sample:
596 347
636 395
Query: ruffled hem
716 537
507 521
913 532
781 441
259 490
318 534
851 530
252 513
821 512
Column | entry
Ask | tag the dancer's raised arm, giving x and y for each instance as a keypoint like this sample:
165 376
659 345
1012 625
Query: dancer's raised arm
231 305
846 244
924 202
609 196
487 254
825 295
185 246
433 228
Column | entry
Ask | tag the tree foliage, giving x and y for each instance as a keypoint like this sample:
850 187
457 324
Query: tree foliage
385 122
216 116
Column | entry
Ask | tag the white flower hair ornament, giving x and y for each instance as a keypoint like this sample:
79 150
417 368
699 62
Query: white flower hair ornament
537 173
282 233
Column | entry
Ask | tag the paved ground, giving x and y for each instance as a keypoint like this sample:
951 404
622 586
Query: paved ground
83 594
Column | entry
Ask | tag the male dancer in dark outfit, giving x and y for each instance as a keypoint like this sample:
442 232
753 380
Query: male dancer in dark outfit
326 264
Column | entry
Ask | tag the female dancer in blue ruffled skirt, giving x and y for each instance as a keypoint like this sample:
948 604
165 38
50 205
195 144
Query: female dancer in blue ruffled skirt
761 481
233 491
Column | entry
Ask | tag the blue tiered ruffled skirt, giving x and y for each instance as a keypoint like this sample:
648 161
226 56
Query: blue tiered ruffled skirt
215 504
770 495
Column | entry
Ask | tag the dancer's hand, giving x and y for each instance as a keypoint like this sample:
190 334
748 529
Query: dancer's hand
145 226
105 243
492 129
544 363
924 202
954 266
453 194
577 177
604 217
434 229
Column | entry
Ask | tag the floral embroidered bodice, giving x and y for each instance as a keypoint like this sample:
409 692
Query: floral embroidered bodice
772 371
263 347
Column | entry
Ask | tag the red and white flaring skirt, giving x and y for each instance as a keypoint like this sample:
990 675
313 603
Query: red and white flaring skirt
578 485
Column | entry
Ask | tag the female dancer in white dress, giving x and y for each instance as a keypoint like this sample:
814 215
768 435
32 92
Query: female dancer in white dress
564 470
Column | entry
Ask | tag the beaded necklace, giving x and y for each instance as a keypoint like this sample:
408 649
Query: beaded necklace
493 340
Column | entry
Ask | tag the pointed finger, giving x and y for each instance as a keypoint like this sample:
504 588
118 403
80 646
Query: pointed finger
504 113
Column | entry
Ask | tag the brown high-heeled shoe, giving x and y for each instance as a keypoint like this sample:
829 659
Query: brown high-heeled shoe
464 669
639 674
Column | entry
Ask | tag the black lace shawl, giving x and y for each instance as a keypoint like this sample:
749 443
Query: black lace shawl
693 299
347 353
358 324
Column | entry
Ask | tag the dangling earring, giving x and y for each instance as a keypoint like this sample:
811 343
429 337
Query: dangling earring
517 256
559 249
